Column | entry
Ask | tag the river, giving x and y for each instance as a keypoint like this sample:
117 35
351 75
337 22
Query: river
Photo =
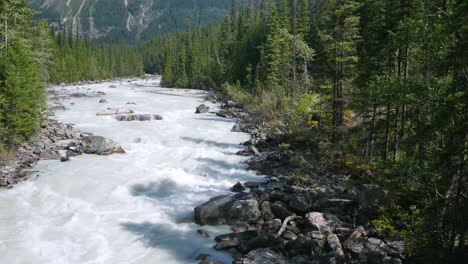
124 208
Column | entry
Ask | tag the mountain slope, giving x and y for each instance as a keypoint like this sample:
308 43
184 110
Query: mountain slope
130 19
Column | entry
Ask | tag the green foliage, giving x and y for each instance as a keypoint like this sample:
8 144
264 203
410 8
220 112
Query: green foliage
380 85
32 55
77 59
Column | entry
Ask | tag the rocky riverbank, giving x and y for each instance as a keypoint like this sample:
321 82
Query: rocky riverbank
327 219
57 141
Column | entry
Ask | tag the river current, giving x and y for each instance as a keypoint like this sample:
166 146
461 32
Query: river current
125 208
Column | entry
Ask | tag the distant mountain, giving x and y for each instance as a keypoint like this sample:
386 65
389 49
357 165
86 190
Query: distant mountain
130 19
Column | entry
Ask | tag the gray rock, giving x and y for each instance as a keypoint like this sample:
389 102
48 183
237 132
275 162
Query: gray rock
202 109
63 155
334 245
203 233
112 111
240 227
236 128
100 145
222 210
262 256
57 108
288 235
138 117
325 223
238 187
230 103
103 101
234 239
251 185
271 226
281 210
112 86
300 203
49 155
157 117
305 245
267 213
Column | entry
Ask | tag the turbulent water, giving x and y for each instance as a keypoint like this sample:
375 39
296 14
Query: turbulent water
124 208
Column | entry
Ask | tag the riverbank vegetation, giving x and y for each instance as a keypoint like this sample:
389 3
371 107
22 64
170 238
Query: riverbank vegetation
32 55
384 82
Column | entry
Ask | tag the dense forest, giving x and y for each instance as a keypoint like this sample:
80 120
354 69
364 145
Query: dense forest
380 86
33 54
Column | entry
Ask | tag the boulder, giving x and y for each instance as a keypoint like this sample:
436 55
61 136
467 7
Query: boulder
103 101
49 155
325 223
224 114
139 117
119 111
157 117
271 226
133 117
306 245
251 185
112 86
63 155
267 213
203 233
240 227
281 210
202 109
300 203
230 210
100 145
334 245
238 187
262 256
373 250
234 239
236 128
57 108
288 235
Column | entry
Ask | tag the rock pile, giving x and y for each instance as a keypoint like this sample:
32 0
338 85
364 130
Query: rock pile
56 141
290 221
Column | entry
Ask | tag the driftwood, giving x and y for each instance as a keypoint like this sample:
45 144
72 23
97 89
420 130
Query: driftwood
285 223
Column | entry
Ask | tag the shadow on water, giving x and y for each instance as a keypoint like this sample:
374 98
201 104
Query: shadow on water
222 163
210 143
216 119
155 190
182 244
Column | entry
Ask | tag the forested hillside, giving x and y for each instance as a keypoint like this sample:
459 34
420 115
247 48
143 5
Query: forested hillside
129 19
32 55
379 86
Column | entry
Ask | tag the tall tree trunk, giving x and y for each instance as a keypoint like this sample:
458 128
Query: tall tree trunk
395 134
373 133
387 133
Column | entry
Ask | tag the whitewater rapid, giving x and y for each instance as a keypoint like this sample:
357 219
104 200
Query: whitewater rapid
124 208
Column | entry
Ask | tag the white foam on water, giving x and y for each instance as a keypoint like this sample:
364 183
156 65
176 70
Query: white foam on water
124 208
